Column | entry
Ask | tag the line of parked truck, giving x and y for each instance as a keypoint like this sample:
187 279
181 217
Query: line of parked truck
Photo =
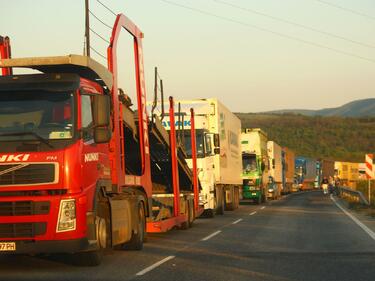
82 169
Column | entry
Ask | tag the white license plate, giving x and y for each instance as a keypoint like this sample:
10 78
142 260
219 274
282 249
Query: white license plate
7 246
253 194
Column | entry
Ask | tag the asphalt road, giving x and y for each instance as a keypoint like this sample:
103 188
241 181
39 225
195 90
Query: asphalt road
303 237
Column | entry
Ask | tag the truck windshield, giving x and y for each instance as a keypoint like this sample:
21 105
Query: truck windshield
33 115
200 143
249 163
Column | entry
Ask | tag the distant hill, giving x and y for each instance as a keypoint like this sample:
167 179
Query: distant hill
337 138
358 108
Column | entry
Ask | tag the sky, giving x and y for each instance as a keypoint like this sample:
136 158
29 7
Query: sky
250 61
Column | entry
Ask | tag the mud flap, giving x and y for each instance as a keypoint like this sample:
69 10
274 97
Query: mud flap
123 219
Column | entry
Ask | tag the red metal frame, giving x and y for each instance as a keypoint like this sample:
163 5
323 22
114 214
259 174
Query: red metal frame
119 176
5 53
194 159
174 163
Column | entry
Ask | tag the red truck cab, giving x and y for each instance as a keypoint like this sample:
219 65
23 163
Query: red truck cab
55 169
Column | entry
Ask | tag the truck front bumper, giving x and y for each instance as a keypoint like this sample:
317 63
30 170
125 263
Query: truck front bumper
50 247
251 194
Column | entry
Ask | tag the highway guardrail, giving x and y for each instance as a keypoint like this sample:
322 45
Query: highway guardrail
352 195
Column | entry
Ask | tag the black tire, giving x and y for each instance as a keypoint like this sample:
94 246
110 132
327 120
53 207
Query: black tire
209 213
186 224
94 258
231 206
220 203
137 239
191 213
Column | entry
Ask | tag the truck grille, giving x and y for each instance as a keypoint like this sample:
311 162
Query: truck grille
26 174
24 208
22 230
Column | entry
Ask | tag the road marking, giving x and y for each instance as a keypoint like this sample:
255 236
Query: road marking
263 207
360 224
253 213
237 221
211 235
155 265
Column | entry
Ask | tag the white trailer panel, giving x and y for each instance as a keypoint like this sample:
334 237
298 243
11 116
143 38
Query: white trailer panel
275 158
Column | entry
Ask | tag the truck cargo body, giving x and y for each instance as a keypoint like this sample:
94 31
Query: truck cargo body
214 119
288 170
276 167
254 164
326 170
306 172
347 173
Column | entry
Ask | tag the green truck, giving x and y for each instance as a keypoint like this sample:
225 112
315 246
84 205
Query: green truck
254 164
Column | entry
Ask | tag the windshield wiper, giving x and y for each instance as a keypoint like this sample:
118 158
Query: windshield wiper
43 140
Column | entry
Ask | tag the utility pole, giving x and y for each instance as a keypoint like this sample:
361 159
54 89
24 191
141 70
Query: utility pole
87 27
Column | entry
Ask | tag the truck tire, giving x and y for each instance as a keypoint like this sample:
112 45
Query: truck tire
209 213
237 197
137 239
191 213
220 199
189 210
231 206
94 258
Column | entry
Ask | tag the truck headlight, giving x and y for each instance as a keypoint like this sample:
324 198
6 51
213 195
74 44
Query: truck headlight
67 216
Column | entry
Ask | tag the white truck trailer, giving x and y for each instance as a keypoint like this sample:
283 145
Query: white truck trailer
276 167
218 133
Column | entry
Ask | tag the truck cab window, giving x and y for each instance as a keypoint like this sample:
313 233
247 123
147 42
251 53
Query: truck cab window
87 119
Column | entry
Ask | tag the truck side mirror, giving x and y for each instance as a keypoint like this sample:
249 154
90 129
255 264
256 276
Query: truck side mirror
216 140
102 118
217 150
102 134
101 110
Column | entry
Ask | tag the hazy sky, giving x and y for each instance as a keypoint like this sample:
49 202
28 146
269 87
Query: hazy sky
199 55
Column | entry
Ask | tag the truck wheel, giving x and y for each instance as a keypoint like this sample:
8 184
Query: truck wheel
186 224
221 203
191 213
231 206
237 197
94 258
209 213
136 241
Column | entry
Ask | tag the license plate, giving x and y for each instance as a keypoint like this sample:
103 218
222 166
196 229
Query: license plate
7 246
253 194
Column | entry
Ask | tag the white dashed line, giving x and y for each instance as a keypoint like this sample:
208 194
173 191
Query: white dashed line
360 224
237 221
155 265
263 207
253 213
211 235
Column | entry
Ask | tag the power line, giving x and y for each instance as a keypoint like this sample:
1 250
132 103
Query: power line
203 12
293 23
105 6
98 53
99 36
98 19
346 9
